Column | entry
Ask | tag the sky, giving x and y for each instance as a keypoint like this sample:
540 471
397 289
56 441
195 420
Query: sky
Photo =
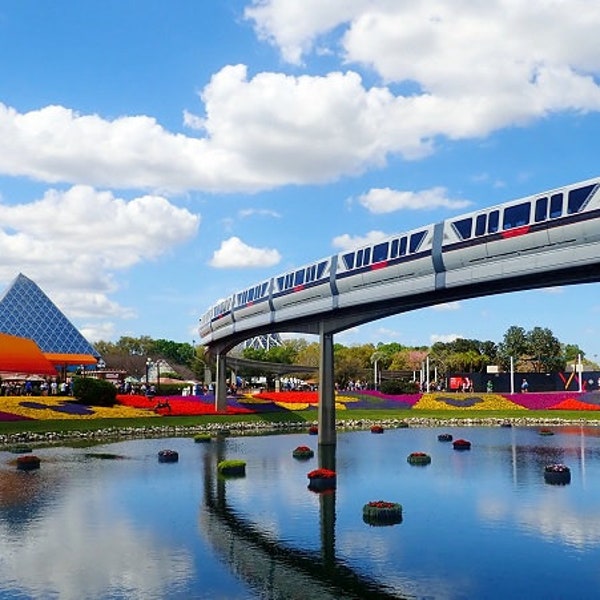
158 156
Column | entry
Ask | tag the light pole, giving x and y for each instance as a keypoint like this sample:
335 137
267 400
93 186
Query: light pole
157 376
148 365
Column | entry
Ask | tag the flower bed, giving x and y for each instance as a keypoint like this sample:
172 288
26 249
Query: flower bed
322 479
303 452
313 430
380 512
461 444
418 458
445 437
232 467
376 429
557 474
202 438
28 463
168 456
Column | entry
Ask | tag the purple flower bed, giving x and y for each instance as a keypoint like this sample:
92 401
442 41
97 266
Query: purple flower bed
69 408
539 401
375 399
468 402
4 416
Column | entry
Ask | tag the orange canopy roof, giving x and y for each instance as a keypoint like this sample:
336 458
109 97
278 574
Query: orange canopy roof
22 355
59 359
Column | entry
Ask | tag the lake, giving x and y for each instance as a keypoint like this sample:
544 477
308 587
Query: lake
478 523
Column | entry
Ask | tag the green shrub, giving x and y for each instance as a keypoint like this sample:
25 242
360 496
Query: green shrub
399 386
94 392
232 467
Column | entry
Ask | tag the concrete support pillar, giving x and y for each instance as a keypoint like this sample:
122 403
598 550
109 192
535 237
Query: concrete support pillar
326 390
221 388
207 376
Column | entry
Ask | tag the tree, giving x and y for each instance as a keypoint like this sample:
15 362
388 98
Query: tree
514 344
545 351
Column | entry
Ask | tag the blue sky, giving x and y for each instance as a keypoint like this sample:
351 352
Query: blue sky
157 156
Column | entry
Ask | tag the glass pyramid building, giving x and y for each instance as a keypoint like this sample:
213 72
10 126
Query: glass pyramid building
27 312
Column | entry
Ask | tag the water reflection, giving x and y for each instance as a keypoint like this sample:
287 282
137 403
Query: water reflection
134 528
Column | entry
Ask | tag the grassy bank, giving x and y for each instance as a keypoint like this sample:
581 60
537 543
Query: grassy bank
291 416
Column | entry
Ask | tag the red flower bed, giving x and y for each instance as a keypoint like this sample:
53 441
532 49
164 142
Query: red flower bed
382 504
572 404
290 397
179 407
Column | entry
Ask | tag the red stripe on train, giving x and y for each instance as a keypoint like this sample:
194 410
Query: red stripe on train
509 233
379 265
298 288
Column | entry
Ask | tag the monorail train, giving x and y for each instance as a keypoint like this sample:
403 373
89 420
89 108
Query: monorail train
533 234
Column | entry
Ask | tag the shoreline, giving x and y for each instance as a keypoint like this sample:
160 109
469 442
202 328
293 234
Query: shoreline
241 428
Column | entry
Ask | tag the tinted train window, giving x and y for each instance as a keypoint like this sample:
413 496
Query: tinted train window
541 209
415 241
464 227
250 295
299 277
349 260
493 220
516 216
380 252
310 273
321 269
394 249
289 280
367 257
578 197
359 258
556 205
480 224
403 246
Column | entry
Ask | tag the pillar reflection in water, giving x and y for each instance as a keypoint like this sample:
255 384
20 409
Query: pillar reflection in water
327 509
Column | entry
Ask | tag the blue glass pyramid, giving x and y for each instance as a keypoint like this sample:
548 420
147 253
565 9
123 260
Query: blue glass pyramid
27 312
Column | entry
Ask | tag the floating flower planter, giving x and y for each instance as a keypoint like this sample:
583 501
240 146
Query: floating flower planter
320 480
28 463
313 430
232 468
303 452
202 438
557 474
506 424
168 456
445 437
546 432
419 458
380 512
461 445
376 429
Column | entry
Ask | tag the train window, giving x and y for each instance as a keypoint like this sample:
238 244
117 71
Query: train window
394 249
464 227
556 201
349 260
578 197
480 224
321 269
299 277
380 252
289 281
415 241
250 295
280 282
516 216
265 287
403 243
367 256
359 258
493 220
541 209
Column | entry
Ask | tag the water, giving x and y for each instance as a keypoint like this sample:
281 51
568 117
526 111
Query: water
476 524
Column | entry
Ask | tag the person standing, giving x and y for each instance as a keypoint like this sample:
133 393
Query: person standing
524 386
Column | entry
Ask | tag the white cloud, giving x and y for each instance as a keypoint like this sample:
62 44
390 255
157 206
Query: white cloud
386 200
253 212
446 306
72 242
445 338
347 242
234 253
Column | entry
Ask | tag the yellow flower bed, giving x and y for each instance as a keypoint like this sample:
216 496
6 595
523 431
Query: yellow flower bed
12 404
451 401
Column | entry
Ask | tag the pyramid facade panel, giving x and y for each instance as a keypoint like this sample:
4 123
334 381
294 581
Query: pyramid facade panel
26 311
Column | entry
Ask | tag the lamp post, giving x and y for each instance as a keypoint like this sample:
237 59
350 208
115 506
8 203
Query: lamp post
157 376
148 364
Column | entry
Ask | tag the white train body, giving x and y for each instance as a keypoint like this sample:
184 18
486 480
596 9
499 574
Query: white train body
544 232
